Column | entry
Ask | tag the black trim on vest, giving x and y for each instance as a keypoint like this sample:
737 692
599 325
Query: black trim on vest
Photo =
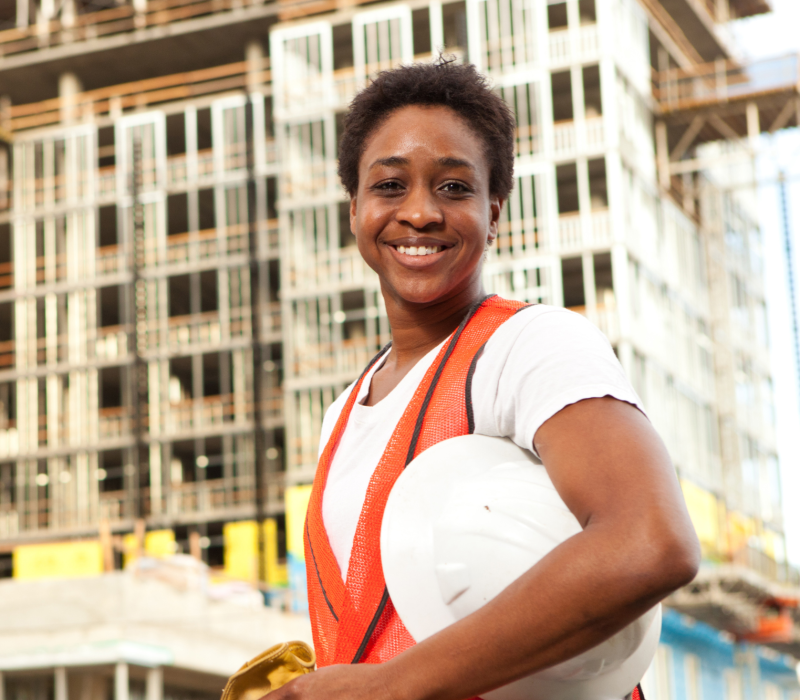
412 447
369 366
319 578
429 395
468 389
372 625
470 374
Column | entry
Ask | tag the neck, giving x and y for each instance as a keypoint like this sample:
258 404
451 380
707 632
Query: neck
418 328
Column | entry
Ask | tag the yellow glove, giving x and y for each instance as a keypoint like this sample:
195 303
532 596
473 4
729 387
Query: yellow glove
270 670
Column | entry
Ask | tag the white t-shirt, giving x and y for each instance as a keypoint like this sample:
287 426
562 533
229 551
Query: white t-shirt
539 361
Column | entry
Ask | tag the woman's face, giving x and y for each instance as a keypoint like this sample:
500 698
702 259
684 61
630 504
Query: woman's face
423 213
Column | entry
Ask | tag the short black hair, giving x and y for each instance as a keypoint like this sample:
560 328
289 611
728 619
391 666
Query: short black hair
444 83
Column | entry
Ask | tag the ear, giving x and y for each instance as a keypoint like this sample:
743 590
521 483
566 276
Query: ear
495 207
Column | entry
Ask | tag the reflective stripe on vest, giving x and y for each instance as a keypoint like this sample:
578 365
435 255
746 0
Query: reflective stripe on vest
356 622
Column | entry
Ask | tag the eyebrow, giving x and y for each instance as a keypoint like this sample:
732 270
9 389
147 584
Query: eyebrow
445 162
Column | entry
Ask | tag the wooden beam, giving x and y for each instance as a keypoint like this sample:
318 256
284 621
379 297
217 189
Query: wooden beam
791 107
753 124
688 137
725 129
662 154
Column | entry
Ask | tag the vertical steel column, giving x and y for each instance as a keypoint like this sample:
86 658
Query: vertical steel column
139 325
787 244
154 686
121 683
60 683
261 437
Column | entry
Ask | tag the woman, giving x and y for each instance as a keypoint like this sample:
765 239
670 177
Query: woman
427 159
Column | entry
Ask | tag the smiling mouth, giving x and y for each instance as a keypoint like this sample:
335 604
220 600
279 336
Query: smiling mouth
419 250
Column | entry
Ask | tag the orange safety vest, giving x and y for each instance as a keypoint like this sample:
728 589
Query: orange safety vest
356 622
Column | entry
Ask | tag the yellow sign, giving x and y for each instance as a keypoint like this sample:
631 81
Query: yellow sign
241 551
157 543
296 499
740 531
704 512
62 560
276 572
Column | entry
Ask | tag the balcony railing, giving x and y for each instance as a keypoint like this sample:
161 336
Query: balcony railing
605 317
574 235
141 93
348 357
6 275
116 423
115 20
725 81
565 137
209 412
326 268
7 354
112 342
587 48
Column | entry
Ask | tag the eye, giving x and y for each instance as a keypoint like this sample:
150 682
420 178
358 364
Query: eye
455 187
389 186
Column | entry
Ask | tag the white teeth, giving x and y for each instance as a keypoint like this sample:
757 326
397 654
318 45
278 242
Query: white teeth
418 250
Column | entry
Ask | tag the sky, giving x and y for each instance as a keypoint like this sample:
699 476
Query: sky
767 36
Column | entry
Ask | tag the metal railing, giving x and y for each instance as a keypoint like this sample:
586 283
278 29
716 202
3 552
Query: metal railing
723 81
137 94
115 20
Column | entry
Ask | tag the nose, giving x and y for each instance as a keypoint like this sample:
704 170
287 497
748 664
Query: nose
420 209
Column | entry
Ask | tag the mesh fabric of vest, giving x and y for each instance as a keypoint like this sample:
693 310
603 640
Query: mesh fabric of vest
356 622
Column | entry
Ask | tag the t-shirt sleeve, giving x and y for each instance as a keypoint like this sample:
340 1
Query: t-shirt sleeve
538 362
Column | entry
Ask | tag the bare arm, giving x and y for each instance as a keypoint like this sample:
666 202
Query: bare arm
614 473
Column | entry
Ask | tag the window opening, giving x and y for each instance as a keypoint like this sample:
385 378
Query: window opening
454 24
598 184
179 295
561 84
421 21
557 16
209 298
177 214
205 203
603 280
107 221
109 301
592 96
176 134
567 185
342 46
587 11
204 129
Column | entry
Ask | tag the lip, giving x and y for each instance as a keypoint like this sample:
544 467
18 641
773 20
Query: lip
417 262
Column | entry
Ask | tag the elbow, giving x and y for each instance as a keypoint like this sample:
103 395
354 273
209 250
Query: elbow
673 561
684 561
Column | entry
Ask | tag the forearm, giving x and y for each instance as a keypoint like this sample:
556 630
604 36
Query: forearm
584 591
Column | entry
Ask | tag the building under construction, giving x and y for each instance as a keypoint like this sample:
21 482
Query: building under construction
181 297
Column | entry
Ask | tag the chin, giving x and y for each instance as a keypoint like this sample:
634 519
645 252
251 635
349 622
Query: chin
418 295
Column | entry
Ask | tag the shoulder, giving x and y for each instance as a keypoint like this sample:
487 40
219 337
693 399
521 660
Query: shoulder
550 327
332 415
539 361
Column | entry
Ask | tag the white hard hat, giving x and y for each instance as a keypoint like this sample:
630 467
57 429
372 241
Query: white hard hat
465 519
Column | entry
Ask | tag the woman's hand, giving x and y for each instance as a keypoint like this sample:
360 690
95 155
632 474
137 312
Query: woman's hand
341 682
